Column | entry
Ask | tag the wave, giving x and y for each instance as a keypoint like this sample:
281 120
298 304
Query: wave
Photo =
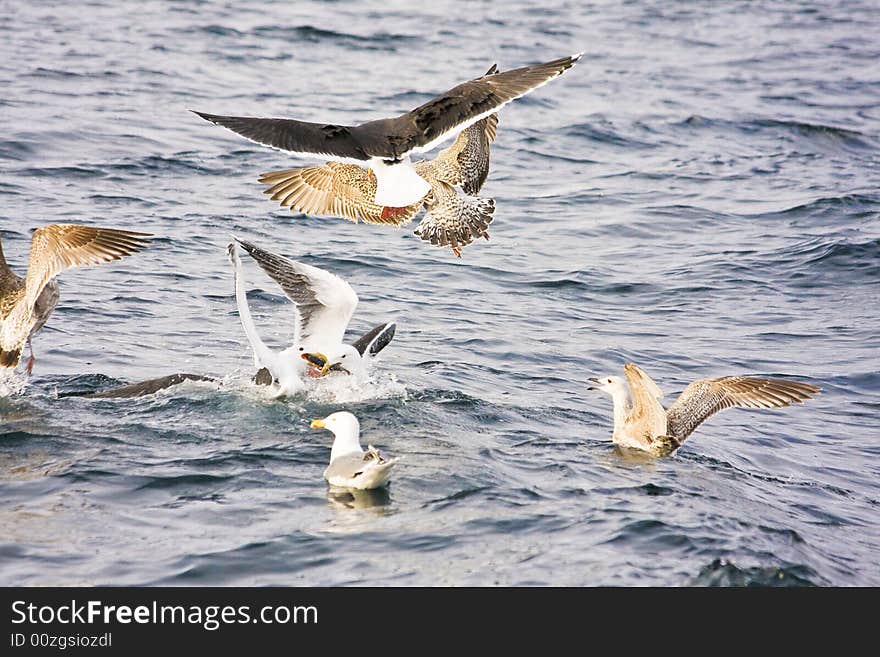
721 572
856 206
817 133
591 132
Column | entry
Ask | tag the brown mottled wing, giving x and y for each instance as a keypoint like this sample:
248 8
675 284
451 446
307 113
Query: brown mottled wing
11 287
703 398
9 281
474 157
466 161
646 395
334 189
57 247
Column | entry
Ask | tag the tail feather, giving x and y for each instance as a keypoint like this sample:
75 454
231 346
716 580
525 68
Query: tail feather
472 221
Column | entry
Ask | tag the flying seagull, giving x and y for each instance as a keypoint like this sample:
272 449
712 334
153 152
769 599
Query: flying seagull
347 190
323 307
640 421
26 303
386 144
350 466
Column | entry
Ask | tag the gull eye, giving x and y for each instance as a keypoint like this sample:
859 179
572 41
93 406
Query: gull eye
301 349
343 355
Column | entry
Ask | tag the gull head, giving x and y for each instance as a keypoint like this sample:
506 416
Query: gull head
612 385
346 431
345 359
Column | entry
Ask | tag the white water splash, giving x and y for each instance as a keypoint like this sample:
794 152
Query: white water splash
336 388
12 383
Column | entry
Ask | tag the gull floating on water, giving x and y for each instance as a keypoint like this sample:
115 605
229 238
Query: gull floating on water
323 307
347 190
25 304
386 144
350 466
640 421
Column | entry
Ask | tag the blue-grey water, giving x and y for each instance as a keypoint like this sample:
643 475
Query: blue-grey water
699 195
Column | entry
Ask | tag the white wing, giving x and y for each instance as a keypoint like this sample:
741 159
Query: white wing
263 356
324 302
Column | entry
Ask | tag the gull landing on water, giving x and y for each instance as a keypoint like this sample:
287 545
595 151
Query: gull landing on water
350 466
386 144
323 307
25 304
640 422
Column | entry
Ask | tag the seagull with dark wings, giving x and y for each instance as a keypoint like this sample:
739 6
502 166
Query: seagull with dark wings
323 307
347 190
26 303
640 422
387 144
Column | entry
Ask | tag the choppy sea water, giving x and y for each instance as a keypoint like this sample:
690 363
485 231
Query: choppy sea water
699 195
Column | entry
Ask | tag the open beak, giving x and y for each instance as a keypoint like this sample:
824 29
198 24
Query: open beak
317 360
594 380
321 364
317 424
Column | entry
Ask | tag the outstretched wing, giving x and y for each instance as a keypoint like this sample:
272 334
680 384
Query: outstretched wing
646 396
57 247
418 131
324 302
300 137
375 340
466 161
467 103
703 398
334 189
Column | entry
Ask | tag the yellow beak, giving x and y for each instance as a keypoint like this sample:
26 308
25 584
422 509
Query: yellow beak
310 358
327 366
317 424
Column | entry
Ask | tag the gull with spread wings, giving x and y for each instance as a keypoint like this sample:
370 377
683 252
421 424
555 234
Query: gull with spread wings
347 190
640 422
387 144
323 307
26 303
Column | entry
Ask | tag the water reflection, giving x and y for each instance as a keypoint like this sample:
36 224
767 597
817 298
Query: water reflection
377 500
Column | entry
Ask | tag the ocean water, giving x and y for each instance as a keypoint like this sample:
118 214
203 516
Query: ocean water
699 195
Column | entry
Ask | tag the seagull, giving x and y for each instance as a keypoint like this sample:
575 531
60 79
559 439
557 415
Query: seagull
350 466
640 422
347 190
26 303
368 346
323 306
387 144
